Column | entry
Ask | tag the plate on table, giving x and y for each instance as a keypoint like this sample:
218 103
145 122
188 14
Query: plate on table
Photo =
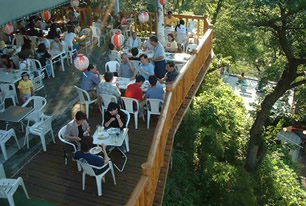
95 150
113 130
103 135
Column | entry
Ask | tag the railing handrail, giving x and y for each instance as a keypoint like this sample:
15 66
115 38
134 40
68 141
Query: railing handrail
145 190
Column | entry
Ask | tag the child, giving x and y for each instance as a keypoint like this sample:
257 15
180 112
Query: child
25 87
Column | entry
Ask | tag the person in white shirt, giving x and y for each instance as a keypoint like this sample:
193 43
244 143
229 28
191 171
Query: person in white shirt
134 41
24 64
42 40
181 33
70 36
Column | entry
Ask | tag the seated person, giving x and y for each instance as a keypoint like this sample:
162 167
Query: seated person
145 69
134 52
107 87
26 48
32 31
24 63
7 63
92 159
76 128
43 56
113 53
56 48
148 46
123 21
91 78
241 79
171 73
126 69
171 45
170 20
133 41
134 91
114 117
154 92
43 40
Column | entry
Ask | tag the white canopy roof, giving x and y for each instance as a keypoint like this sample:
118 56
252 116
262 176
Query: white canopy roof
11 10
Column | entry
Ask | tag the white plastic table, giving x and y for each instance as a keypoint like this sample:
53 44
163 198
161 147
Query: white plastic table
11 78
115 141
15 114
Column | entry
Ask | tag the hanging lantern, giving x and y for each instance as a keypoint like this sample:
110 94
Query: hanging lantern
118 39
163 2
143 17
74 3
81 62
46 15
9 29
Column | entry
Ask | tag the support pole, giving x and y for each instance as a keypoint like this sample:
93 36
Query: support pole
117 7
160 22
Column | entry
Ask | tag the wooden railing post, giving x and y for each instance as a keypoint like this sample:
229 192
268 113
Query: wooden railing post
205 24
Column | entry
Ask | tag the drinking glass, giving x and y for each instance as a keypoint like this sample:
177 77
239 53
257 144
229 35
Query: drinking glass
99 128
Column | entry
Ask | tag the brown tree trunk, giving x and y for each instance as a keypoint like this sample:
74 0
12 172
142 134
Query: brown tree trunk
219 5
256 133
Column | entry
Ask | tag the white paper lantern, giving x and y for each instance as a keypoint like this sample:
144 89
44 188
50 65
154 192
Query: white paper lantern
143 17
74 3
81 62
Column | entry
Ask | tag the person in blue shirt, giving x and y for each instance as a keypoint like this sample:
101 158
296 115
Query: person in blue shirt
145 69
91 78
92 159
158 58
154 92
171 73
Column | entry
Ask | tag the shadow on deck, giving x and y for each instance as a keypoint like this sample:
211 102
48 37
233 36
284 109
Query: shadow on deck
48 178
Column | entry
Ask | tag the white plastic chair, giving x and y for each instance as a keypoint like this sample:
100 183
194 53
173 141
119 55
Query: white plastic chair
192 27
129 107
181 39
89 170
38 104
114 58
96 33
61 134
37 67
4 137
106 99
191 47
2 106
69 52
153 106
87 43
9 186
40 129
8 93
38 83
114 31
112 66
84 98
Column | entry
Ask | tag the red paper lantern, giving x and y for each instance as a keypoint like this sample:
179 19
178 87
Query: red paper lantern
81 62
163 2
74 3
9 29
118 39
46 15
143 17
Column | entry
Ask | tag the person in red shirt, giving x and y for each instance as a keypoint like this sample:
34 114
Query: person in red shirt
134 91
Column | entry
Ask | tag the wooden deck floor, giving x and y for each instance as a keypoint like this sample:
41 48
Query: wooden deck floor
48 178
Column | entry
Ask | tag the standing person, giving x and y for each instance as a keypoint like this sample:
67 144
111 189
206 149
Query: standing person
76 128
114 117
25 87
171 73
181 33
91 78
126 69
92 159
170 20
70 36
158 58
145 69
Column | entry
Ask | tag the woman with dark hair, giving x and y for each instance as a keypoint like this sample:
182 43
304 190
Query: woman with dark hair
26 48
171 45
43 55
52 33
114 117
70 36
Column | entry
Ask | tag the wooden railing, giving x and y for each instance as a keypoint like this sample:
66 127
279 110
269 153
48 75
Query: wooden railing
143 193
87 15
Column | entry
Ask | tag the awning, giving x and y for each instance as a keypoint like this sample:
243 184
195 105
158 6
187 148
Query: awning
12 10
